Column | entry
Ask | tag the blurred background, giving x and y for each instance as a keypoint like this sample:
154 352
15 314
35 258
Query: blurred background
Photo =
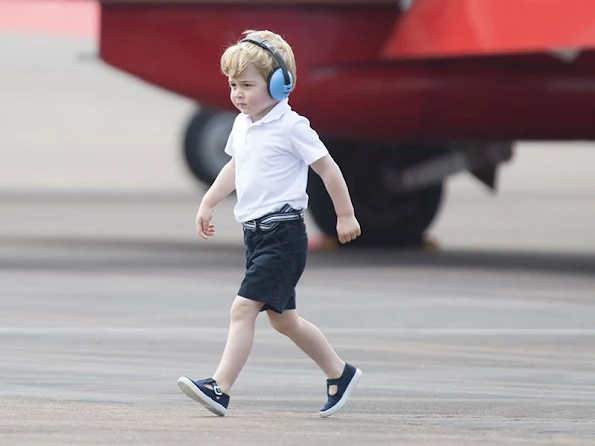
75 129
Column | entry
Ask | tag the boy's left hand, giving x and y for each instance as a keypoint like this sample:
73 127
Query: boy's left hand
347 228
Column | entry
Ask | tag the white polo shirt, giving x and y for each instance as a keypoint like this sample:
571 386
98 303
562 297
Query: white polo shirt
272 156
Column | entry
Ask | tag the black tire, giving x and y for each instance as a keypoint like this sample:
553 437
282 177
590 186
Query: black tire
388 220
204 143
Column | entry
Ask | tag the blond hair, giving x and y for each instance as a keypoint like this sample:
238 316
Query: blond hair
238 56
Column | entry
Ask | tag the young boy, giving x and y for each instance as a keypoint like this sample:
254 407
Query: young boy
271 148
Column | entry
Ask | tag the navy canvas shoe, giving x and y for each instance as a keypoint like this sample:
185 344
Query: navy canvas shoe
212 398
345 385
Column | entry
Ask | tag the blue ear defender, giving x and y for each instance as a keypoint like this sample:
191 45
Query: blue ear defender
278 89
280 82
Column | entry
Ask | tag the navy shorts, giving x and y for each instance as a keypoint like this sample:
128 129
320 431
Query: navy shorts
275 261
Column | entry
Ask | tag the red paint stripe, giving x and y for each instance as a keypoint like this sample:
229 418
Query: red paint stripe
78 18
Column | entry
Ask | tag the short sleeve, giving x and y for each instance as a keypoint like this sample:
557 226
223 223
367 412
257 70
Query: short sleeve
306 143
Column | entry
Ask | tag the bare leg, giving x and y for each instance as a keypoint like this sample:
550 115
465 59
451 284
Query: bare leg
310 340
239 342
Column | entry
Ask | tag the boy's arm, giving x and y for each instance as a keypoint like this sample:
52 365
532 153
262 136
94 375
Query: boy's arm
335 184
223 185
347 226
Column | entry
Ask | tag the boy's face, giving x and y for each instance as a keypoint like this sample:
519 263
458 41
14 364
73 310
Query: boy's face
249 93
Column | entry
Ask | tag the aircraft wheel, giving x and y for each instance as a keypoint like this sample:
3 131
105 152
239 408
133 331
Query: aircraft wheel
204 143
387 219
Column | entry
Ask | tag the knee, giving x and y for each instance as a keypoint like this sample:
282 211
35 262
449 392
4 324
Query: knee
242 310
285 326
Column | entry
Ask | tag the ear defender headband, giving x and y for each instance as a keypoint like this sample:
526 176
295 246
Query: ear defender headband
280 81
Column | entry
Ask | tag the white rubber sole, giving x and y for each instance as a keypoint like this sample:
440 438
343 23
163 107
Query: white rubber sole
190 389
345 397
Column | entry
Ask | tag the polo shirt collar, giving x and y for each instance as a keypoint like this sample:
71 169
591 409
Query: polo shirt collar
275 113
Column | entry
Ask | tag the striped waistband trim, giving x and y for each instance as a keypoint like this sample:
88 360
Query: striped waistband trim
269 221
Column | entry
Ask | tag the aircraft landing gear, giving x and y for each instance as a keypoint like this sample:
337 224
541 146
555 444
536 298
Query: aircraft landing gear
388 217
391 213
204 143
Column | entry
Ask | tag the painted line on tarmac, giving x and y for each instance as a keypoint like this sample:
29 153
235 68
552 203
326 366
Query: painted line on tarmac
161 331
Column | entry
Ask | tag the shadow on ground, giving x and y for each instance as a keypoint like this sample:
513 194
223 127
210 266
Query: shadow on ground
89 254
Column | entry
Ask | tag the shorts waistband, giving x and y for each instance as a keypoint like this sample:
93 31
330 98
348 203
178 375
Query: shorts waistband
270 221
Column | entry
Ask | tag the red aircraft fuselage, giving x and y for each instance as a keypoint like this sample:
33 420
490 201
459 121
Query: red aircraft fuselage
369 70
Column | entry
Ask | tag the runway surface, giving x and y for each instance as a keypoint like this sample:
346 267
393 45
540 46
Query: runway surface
456 349
108 296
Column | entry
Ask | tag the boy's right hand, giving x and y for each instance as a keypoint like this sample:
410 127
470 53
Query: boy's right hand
204 228
348 228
